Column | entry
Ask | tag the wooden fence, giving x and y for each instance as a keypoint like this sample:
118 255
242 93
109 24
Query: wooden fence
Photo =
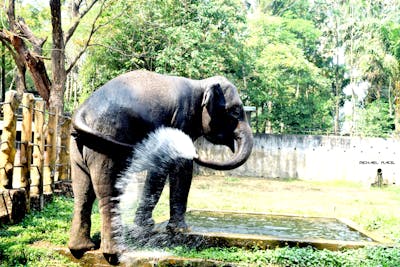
34 156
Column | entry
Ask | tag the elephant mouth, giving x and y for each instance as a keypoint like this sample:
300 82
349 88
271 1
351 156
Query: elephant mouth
243 137
220 140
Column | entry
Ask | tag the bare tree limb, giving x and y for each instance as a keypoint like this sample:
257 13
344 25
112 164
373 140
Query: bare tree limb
40 78
11 14
35 65
121 52
74 26
93 30
6 41
28 34
75 5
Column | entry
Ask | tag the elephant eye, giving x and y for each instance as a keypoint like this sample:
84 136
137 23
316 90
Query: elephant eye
235 112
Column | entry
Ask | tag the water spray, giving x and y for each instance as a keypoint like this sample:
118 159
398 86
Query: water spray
161 150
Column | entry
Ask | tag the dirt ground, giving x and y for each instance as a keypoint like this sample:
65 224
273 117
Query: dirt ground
374 209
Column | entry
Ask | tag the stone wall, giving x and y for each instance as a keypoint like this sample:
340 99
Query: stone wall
310 157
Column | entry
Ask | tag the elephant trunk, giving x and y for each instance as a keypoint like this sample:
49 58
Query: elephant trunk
244 139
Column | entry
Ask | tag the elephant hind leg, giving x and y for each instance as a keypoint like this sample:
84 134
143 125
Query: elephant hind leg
180 179
105 170
84 197
152 190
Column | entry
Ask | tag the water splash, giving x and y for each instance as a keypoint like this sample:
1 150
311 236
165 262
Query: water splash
160 150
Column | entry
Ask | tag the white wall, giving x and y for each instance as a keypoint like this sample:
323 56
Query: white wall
311 157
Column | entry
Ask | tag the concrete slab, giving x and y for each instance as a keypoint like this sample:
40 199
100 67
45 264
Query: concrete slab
267 230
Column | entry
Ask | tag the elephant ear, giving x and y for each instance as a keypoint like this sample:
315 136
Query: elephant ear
213 108
213 98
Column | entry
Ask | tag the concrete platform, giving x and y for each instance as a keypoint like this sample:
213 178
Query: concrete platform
141 259
267 230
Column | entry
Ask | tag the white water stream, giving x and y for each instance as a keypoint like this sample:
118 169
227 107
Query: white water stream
158 151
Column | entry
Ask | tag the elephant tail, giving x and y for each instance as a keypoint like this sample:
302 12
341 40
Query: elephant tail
80 127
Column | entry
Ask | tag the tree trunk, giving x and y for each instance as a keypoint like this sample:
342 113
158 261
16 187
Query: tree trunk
57 59
338 82
338 85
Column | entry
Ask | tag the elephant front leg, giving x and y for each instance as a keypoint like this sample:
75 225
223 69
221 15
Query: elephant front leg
152 190
180 180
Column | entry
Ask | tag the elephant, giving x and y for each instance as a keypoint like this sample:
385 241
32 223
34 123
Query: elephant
108 125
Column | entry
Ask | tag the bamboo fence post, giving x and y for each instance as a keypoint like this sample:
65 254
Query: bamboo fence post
7 148
63 158
26 144
38 151
50 152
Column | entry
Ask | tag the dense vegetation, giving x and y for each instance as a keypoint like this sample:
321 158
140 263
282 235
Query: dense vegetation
307 66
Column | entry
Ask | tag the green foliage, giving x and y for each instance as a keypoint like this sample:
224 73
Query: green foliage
391 38
195 39
8 65
285 81
282 55
369 256
375 119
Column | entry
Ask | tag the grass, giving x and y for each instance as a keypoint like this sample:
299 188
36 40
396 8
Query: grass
31 242
371 208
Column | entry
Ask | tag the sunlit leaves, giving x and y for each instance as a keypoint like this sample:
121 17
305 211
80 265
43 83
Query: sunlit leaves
284 76
195 39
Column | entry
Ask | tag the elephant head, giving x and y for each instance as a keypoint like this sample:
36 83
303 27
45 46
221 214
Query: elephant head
224 122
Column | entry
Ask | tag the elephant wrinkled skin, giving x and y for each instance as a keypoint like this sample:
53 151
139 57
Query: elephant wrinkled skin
118 115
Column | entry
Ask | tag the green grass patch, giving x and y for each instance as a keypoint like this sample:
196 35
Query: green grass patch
32 242
336 183
364 257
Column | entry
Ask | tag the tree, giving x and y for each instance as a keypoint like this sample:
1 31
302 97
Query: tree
352 43
375 119
190 38
27 49
284 81
391 40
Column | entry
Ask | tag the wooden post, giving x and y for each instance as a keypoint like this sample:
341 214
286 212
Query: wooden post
36 199
7 148
38 152
63 158
23 154
16 173
50 152
26 147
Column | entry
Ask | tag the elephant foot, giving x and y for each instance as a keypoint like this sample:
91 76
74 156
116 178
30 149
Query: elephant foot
110 252
145 222
79 246
111 258
177 227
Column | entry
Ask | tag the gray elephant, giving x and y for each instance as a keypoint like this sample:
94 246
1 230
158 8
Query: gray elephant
120 114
